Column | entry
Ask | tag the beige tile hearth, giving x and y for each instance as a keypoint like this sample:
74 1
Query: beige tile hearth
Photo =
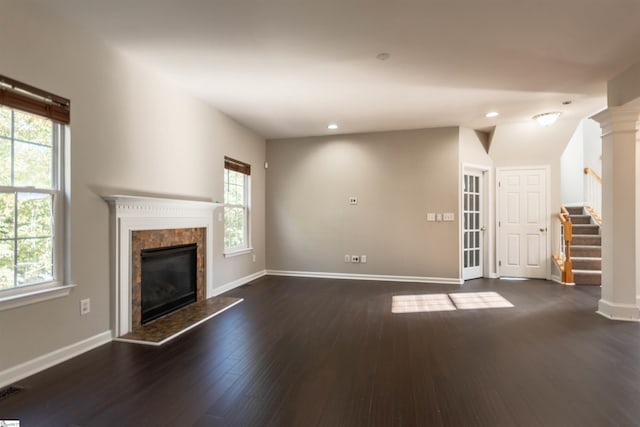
170 326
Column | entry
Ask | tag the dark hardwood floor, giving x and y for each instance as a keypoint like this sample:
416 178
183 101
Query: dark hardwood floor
319 352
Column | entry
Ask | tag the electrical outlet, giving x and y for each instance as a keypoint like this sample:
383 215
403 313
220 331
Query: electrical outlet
363 259
355 259
254 257
85 306
353 201
347 258
438 217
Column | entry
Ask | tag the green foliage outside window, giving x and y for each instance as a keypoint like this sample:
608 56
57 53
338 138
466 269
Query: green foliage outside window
28 187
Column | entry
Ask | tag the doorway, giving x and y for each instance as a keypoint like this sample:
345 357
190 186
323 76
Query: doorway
523 213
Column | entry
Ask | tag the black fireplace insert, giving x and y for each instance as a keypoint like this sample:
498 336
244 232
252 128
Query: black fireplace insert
169 280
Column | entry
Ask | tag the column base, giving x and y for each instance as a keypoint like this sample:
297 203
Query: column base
613 311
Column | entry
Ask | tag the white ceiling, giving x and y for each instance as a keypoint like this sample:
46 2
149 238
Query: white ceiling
286 68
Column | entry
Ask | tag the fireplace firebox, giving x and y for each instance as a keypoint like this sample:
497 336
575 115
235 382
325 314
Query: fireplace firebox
168 280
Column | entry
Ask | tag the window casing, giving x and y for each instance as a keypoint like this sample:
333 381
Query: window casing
32 147
236 207
30 198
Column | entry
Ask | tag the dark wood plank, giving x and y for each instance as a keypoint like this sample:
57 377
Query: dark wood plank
319 352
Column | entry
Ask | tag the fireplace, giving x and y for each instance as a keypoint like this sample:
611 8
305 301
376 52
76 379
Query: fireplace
164 256
141 223
168 280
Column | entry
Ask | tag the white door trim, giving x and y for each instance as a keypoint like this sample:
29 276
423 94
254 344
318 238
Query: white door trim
488 260
547 169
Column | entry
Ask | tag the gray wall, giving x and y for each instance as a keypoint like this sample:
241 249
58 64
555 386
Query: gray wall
625 87
397 177
131 133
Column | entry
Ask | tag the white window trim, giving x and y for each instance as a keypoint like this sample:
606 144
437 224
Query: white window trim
235 252
248 247
31 294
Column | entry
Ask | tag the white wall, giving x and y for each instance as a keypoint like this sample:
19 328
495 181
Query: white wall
592 138
131 133
529 144
397 176
571 170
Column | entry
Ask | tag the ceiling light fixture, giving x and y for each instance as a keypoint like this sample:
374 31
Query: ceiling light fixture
492 114
332 126
547 119
383 56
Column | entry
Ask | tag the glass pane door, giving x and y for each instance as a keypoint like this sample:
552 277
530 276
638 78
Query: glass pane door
472 226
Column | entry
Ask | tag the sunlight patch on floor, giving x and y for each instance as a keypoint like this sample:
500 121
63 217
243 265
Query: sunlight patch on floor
443 302
471 300
420 303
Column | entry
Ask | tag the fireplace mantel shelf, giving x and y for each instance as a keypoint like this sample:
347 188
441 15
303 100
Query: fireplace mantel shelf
155 203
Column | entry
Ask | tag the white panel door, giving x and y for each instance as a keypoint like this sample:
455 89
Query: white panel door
522 222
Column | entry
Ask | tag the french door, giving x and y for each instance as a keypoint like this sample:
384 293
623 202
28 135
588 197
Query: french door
472 224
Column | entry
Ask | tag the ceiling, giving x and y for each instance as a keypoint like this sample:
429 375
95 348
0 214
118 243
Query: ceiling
286 68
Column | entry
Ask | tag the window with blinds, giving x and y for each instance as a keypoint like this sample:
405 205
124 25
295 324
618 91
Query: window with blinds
32 124
237 176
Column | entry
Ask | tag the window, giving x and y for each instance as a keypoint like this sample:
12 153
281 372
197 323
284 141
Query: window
236 206
31 190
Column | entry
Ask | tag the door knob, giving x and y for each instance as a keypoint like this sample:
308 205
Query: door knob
542 230
483 228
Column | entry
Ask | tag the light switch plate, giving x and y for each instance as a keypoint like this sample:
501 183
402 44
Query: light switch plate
431 216
448 216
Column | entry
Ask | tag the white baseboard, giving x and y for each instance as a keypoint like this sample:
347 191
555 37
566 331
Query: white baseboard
378 277
33 366
616 311
239 282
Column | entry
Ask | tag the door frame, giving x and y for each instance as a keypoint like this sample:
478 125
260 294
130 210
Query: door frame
488 245
547 171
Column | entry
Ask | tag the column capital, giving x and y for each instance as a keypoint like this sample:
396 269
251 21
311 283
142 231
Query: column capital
625 118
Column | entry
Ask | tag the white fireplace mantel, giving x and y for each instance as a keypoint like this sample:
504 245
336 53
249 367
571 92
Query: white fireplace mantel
133 213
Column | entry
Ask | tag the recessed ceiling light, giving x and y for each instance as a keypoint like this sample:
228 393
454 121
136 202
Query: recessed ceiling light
383 56
491 114
332 126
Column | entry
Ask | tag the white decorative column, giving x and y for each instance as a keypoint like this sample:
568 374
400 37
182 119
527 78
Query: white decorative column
620 213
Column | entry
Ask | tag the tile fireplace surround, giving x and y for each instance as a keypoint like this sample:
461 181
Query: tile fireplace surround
171 219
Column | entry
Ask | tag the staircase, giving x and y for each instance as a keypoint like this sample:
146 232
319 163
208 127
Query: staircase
586 249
